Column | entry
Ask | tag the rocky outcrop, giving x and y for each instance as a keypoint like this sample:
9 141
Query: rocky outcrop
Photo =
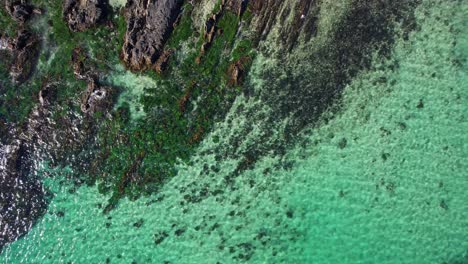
19 10
95 97
210 31
266 12
78 63
25 48
304 20
149 24
236 71
237 6
163 60
83 14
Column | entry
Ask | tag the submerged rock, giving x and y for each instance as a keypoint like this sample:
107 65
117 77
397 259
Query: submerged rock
149 24
22 198
83 14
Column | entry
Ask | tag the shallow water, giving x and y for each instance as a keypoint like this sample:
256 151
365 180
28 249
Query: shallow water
383 181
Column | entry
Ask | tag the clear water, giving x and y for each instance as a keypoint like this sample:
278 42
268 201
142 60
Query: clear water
395 192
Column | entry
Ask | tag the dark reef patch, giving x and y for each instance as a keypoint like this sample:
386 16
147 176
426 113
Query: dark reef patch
312 84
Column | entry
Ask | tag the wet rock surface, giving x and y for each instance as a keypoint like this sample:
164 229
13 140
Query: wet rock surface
83 14
149 24
22 198
44 136
95 97
64 140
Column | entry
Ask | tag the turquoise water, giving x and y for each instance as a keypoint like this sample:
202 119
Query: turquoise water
383 181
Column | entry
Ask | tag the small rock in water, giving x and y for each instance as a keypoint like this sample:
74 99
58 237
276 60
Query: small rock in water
139 223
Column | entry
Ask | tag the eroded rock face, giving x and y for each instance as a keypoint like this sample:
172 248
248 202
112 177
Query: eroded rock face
83 14
149 24
266 12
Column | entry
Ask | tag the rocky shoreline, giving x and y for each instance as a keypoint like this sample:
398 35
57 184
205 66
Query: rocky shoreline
198 68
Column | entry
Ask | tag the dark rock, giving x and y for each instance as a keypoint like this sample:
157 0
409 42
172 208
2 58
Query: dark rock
149 24
236 71
342 143
22 198
385 156
266 12
443 205
163 60
95 97
237 6
83 14
139 223
420 104
25 48
159 237
47 95
289 214
60 214
19 10
78 61
179 231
